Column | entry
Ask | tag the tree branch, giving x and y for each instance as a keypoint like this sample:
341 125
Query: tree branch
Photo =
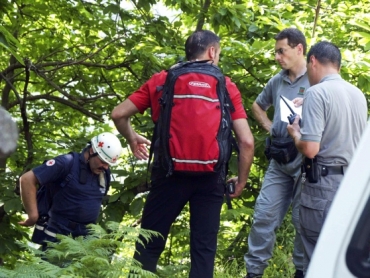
70 104
26 124
249 71
202 15
57 87
111 87
317 14
9 86
59 65
72 62
49 97
15 65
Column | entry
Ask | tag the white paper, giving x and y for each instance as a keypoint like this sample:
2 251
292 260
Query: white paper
285 111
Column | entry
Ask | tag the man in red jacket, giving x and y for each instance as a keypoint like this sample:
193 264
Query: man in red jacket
169 194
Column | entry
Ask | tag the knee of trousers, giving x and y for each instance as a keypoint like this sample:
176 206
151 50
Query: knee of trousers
265 217
153 246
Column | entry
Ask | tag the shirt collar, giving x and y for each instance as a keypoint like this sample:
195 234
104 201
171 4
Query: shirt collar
334 76
285 75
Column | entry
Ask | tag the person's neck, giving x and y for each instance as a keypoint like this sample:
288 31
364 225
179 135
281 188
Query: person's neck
297 71
201 59
325 71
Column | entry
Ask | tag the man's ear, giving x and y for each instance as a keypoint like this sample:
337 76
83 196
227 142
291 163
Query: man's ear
211 52
300 47
312 60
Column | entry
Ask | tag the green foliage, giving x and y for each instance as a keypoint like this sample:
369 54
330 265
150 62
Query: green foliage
281 264
230 269
10 43
66 64
103 253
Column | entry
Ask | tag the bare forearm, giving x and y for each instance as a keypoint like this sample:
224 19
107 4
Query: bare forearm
261 117
264 121
124 127
246 147
121 118
245 162
28 194
308 149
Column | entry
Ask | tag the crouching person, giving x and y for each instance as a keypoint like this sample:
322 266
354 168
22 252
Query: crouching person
71 189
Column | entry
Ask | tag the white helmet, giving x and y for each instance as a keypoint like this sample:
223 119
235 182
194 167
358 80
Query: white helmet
108 147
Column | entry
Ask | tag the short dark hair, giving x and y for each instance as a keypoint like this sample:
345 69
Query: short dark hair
198 42
294 37
326 52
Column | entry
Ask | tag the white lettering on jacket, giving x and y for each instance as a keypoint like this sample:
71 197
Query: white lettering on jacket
199 84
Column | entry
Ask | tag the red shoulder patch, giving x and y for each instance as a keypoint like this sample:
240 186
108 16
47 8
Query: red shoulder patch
50 162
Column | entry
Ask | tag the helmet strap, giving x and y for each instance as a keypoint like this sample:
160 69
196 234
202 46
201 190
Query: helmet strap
88 148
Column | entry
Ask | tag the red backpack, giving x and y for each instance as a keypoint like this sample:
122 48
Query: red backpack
194 129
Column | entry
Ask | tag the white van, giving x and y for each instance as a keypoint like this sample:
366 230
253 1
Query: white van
343 248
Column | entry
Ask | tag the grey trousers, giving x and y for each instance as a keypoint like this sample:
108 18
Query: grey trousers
280 189
316 199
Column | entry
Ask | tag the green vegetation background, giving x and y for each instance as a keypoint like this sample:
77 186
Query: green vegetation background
65 65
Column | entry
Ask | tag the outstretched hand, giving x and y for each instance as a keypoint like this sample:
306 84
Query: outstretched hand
139 147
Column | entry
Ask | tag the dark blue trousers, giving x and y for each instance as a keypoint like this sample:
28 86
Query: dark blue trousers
166 199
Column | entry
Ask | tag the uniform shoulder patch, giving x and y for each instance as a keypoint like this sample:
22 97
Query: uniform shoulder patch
50 162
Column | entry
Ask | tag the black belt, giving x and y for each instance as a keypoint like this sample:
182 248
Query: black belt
331 170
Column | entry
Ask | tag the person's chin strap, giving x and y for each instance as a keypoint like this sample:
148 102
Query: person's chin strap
87 148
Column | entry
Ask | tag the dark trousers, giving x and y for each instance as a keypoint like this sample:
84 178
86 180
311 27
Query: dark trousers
62 226
164 203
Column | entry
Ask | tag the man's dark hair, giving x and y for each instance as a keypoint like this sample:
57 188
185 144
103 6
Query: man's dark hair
326 53
198 42
294 37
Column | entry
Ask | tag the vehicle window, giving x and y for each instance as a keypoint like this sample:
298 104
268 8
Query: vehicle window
358 252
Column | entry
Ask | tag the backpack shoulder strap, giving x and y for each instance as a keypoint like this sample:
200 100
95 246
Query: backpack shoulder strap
46 193
72 163
107 180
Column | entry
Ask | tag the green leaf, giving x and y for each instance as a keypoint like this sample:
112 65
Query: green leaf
360 24
252 28
10 43
13 205
137 206
111 8
114 198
